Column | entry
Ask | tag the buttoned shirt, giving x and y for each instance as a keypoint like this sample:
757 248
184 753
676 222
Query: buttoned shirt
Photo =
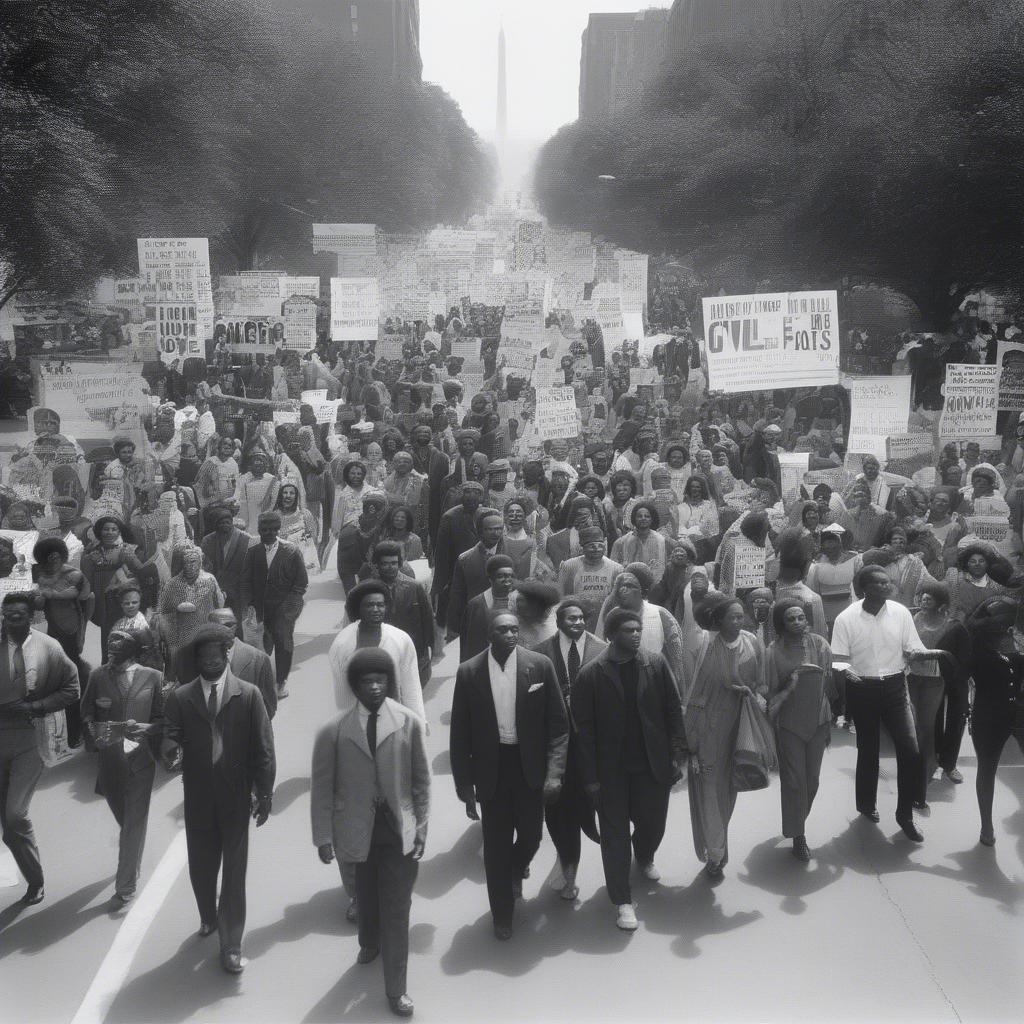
271 550
207 684
875 645
564 643
364 719
503 690
29 654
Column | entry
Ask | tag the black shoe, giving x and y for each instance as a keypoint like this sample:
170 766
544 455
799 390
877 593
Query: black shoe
367 956
714 871
921 806
205 929
401 1005
871 815
33 895
800 849
910 830
503 932
233 963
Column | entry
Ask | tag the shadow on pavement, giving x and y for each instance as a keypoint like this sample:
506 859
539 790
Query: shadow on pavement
772 867
314 648
322 914
288 792
442 764
33 929
358 996
462 862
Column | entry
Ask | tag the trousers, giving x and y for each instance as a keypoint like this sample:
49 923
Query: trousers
570 816
926 694
279 640
950 723
128 795
513 810
384 883
20 768
799 772
222 849
637 798
872 705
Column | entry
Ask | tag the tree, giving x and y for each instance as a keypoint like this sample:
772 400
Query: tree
878 140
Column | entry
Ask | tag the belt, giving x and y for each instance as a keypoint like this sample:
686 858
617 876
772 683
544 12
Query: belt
882 679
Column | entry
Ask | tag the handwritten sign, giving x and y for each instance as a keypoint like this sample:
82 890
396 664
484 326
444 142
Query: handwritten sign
879 407
355 309
749 565
990 528
971 402
557 415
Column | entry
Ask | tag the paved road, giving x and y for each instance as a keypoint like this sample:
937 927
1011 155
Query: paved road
874 928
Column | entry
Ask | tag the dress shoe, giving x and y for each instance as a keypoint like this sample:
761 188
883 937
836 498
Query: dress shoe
714 871
954 775
650 872
367 956
352 914
205 928
921 806
233 963
626 918
503 932
871 815
987 839
33 895
910 830
800 849
282 693
401 1005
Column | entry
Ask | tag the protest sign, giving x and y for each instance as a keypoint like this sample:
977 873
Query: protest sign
133 294
1010 361
249 294
546 373
836 478
749 565
355 246
300 323
472 382
307 287
355 309
90 398
781 340
177 327
317 395
792 466
252 335
285 416
908 453
879 407
467 349
632 282
970 408
325 410
989 528
179 270
389 347
557 415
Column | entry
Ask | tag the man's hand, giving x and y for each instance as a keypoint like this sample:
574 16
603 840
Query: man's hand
418 845
851 676
325 853
917 656
552 791
775 705
471 811
261 810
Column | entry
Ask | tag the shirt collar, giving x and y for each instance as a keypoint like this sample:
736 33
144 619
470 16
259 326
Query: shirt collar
510 665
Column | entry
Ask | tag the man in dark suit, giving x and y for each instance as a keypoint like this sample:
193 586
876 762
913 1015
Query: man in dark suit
218 726
470 575
273 581
571 814
409 609
245 661
457 533
473 636
509 735
224 553
431 463
36 677
632 746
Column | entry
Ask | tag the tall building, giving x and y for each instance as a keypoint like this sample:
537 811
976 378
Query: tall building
386 32
620 53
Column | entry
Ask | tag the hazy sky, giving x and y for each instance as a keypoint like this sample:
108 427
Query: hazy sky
459 41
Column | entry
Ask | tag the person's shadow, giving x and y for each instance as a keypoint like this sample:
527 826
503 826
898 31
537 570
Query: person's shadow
52 923
463 861
772 867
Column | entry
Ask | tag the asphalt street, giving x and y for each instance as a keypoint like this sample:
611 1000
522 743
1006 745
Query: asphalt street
874 928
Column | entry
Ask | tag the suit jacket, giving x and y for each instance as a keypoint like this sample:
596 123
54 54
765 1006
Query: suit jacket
551 648
597 709
411 612
218 792
345 779
279 591
102 701
473 627
248 663
542 725
227 566
468 580
56 683
456 533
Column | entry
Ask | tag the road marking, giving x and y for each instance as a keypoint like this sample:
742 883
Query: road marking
118 961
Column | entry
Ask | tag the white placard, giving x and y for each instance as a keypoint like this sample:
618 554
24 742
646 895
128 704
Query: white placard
557 415
355 309
971 402
879 407
300 323
749 565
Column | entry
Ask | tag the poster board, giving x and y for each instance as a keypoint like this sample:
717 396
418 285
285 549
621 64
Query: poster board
879 407
749 565
300 323
94 400
971 402
1010 364
557 415
355 309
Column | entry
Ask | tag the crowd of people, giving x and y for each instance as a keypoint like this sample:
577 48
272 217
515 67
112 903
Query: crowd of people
648 601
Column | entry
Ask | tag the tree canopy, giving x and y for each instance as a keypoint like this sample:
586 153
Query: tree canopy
879 140
126 118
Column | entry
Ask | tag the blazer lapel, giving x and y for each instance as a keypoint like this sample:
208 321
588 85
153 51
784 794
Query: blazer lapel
353 729
387 723
524 679
483 680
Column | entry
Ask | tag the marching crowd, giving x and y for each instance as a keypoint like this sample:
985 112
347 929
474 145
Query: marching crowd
613 638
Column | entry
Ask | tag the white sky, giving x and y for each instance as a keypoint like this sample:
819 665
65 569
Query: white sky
459 42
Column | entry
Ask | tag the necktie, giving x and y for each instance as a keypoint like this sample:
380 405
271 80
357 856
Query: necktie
19 680
574 663
371 732
211 704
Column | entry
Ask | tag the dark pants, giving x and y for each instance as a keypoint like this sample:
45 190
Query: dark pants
127 795
950 724
873 704
69 645
279 640
20 768
513 809
639 798
926 700
570 816
227 845
384 883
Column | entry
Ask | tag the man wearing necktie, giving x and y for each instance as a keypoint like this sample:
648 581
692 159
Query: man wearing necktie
36 678
370 795
220 727
571 814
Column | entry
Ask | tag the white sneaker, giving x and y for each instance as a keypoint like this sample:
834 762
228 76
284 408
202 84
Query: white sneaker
627 918
651 873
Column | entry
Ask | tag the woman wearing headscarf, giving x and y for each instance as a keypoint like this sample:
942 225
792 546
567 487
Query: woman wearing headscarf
801 692
665 500
563 482
661 632
109 561
185 606
644 543
757 614
730 668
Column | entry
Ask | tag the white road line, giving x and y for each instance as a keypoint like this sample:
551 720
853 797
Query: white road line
118 961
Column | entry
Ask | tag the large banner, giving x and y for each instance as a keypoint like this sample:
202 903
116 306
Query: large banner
346 240
762 342
355 309
879 407
969 412
254 335
252 294
1010 361
94 400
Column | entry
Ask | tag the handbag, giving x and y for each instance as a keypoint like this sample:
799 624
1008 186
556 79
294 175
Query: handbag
52 738
754 757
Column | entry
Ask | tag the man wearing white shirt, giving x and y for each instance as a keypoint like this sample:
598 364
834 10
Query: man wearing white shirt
877 638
